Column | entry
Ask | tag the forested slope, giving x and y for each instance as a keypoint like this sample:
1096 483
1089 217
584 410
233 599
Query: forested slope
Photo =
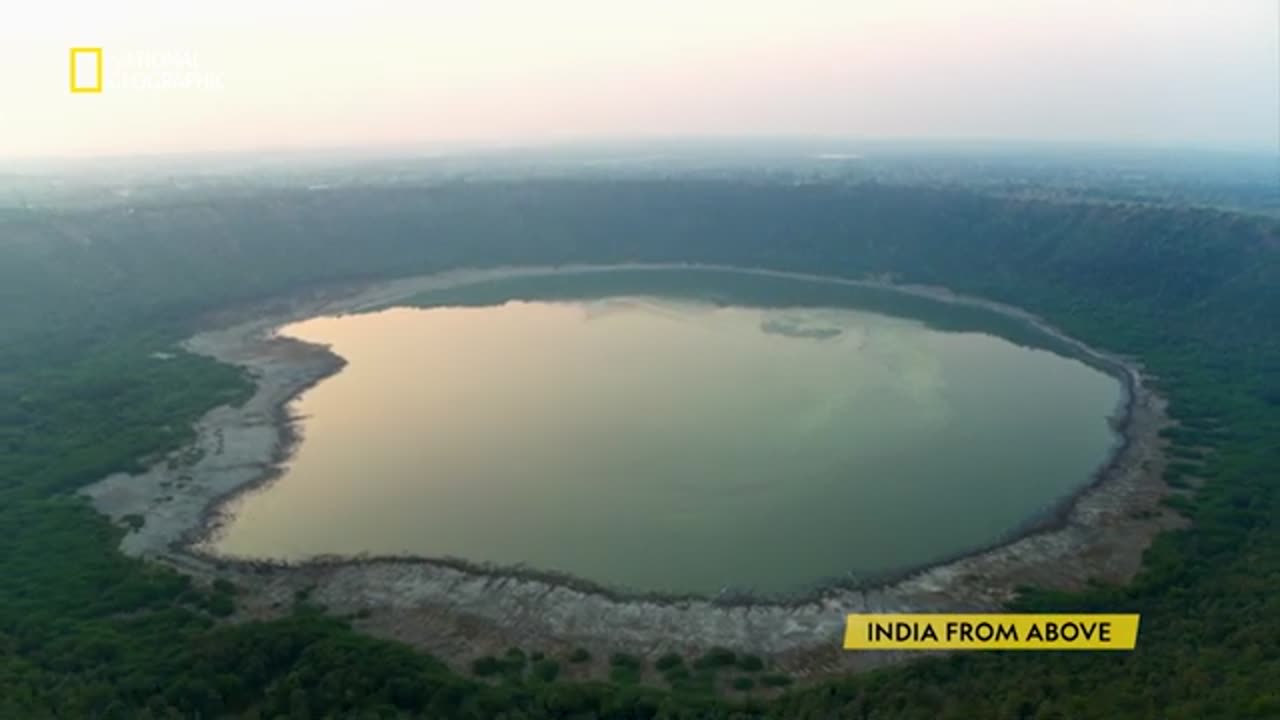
86 297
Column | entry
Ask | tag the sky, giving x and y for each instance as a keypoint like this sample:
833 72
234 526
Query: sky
291 74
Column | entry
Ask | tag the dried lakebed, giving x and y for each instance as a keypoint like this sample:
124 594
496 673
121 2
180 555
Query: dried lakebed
460 611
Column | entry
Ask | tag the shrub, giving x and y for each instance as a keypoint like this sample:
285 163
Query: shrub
624 675
775 680
715 658
683 681
222 585
545 670
487 665
623 660
668 661
220 604
676 674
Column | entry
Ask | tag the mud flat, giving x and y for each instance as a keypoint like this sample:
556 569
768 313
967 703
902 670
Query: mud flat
459 611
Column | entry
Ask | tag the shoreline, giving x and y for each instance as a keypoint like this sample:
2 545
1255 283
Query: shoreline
1100 529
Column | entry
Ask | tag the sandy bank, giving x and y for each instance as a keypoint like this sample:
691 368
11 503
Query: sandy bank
459 612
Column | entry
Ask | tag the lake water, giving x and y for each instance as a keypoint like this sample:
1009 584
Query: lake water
678 431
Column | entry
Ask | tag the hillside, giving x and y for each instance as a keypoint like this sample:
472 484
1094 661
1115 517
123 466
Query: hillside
87 296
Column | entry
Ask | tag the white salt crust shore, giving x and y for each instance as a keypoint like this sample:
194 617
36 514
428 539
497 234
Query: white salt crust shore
459 612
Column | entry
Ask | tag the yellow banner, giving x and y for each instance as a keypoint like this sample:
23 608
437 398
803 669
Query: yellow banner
998 631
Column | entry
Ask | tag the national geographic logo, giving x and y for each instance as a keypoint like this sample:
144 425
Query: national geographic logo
1002 631
141 70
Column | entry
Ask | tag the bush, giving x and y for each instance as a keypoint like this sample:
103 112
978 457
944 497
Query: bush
515 656
669 661
624 675
579 656
545 670
775 680
683 681
715 658
743 683
222 585
487 666
676 674
220 605
623 660
750 663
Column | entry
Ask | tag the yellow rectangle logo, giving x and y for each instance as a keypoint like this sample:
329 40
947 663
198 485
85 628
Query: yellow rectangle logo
86 70
997 631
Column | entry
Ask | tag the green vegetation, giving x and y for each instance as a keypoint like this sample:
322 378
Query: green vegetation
686 683
676 675
668 661
624 675
488 666
715 658
625 660
625 669
1176 480
90 295
775 680
545 670
512 666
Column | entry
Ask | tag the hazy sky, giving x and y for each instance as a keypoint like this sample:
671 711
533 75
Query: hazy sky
302 73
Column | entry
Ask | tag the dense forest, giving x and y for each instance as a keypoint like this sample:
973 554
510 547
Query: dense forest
87 296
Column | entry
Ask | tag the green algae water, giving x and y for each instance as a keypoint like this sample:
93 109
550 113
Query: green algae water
678 431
